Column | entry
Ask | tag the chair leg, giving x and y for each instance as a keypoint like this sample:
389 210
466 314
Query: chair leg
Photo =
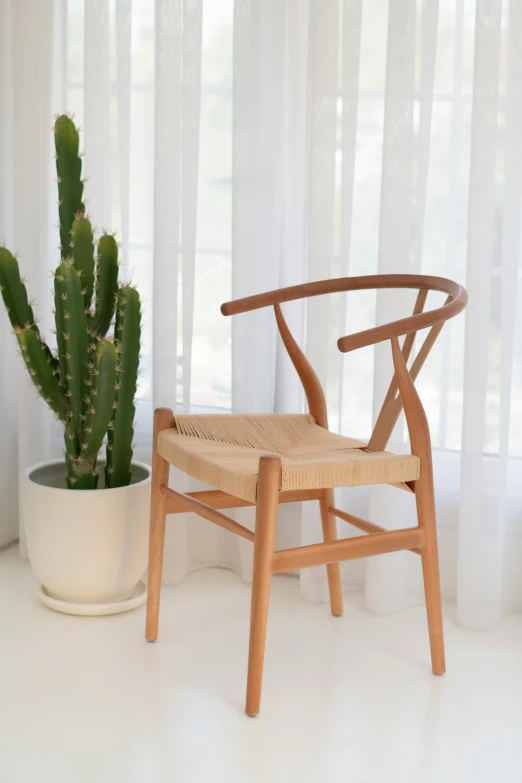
268 487
333 569
425 499
160 477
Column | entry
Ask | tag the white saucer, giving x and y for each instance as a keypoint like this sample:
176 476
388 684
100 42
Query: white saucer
137 598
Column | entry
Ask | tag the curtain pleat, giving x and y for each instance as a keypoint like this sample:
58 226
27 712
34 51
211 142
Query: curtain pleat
97 113
510 274
351 53
385 584
323 77
428 57
9 449
324 85
258 90
452 208
257 214
124 76
480 542
294 179
191 99
167 178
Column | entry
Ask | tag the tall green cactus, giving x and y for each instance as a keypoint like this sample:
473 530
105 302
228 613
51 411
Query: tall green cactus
90 381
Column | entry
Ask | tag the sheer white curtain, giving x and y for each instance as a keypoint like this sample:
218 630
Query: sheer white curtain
242 146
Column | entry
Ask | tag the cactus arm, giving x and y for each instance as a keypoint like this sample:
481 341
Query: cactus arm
69 170
121 431
14 292
73 340
102 397
106 285
41 372
82 251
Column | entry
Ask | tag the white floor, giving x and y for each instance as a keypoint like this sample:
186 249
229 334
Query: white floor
87 700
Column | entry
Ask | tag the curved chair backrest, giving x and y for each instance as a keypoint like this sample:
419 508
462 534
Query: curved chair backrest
456 301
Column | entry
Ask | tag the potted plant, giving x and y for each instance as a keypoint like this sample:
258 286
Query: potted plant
85 522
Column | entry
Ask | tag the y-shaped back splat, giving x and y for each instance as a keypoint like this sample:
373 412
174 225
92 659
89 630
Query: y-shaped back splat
393 402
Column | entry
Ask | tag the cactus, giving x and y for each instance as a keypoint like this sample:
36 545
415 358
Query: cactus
90 382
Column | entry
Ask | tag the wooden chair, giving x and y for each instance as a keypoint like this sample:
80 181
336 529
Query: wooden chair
272 459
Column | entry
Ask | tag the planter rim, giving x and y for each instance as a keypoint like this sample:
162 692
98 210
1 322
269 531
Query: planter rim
45 463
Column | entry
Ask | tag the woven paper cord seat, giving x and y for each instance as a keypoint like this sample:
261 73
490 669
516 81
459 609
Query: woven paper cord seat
224 451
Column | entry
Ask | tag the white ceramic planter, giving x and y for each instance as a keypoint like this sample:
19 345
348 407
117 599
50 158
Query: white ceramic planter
87 547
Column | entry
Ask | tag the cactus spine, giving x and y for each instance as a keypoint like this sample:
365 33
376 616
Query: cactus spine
90 382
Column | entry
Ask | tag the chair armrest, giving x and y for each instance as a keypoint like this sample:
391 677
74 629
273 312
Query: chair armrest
413 323
456 302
